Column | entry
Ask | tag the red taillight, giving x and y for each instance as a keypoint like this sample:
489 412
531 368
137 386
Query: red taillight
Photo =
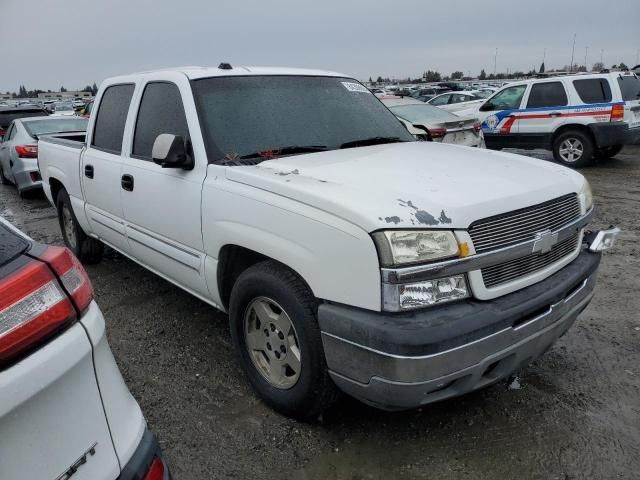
72 274
477 126
617 112
438 132
32 307
27 151
35 176
2 132
156 470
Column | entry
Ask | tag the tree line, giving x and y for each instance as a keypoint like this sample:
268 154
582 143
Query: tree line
24 93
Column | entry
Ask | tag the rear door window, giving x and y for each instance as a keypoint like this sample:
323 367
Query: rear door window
593 90
630 87
548 94
161 111
111 119
442 100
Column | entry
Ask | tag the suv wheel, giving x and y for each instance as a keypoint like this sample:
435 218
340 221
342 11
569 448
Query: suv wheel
272 315
87 249
573 149
608 152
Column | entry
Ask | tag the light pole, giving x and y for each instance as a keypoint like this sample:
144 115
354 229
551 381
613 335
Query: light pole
586 51
495 62
573 49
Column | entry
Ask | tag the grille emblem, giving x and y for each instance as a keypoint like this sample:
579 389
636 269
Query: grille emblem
544 242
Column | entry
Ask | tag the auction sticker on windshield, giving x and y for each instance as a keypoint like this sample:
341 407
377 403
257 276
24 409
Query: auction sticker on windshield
355 87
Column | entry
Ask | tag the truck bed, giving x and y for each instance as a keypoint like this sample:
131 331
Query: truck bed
59 160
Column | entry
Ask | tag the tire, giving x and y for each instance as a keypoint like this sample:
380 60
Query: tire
608 152
573 149
300 389
3 179
87 249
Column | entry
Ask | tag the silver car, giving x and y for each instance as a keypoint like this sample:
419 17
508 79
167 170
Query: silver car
19 148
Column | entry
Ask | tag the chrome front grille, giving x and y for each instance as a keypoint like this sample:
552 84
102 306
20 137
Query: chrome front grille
523 225
507 271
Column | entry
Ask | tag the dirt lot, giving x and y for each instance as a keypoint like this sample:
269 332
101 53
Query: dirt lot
573 414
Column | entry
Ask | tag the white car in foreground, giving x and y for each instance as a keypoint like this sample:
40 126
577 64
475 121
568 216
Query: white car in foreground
65 410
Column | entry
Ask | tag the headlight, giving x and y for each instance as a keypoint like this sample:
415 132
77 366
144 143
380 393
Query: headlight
409 296
586 197
399 247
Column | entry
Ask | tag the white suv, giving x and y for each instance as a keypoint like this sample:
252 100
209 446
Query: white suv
578 117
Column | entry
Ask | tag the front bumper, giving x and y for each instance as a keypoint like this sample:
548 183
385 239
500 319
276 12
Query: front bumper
399 361
139 464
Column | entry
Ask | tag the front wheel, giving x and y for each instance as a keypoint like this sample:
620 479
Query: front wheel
272 315
87 249
573 149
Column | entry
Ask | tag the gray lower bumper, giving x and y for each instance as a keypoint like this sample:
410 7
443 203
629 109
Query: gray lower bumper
400 381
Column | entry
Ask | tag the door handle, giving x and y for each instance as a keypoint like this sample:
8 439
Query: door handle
555 114
127 183
88 171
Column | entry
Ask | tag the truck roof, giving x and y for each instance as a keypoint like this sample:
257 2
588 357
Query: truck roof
195 72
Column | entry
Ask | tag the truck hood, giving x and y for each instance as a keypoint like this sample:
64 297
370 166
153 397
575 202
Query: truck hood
412 185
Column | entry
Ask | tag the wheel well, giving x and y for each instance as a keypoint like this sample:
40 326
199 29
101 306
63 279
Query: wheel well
56 186
232 261
580 128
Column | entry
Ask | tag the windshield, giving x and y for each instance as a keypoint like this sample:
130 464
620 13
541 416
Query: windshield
58 125
241 116
64 107
423 113
630 87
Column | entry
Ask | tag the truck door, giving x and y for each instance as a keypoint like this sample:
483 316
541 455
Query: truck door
499 117
101 166
162 205
545 111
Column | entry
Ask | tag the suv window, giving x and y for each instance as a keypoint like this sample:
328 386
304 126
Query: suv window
630 87
548 94
111 118
507 99
593 90
161 111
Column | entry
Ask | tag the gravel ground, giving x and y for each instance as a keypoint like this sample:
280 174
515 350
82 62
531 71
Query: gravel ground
573 414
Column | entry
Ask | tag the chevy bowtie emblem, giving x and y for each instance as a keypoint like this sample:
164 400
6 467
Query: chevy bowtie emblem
544 241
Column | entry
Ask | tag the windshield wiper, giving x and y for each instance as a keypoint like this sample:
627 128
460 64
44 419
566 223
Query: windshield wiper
363 142
291 149
269 154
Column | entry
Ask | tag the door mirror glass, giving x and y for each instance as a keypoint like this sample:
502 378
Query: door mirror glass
486 107
169 151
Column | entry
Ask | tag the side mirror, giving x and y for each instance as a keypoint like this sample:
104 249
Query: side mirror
486 107
169 151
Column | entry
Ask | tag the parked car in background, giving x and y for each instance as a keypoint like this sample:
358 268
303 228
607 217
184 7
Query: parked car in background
19 148
455 101
348 255
63 109
578 117
86 110
9 114
424 94
429 123
65 410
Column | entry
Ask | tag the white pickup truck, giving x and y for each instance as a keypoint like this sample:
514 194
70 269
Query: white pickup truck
348 256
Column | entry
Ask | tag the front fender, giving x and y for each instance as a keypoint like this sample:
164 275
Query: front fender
337 259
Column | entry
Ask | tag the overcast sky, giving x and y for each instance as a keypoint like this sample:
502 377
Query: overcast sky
47 43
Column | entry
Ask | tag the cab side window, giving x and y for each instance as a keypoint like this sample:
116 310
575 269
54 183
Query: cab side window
112 116
161 111
548 94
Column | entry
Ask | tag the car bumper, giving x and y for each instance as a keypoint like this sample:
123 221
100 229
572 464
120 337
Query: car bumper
27 177
400 361
138 466
608 134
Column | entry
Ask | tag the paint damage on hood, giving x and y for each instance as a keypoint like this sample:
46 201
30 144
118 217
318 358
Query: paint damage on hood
411 185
